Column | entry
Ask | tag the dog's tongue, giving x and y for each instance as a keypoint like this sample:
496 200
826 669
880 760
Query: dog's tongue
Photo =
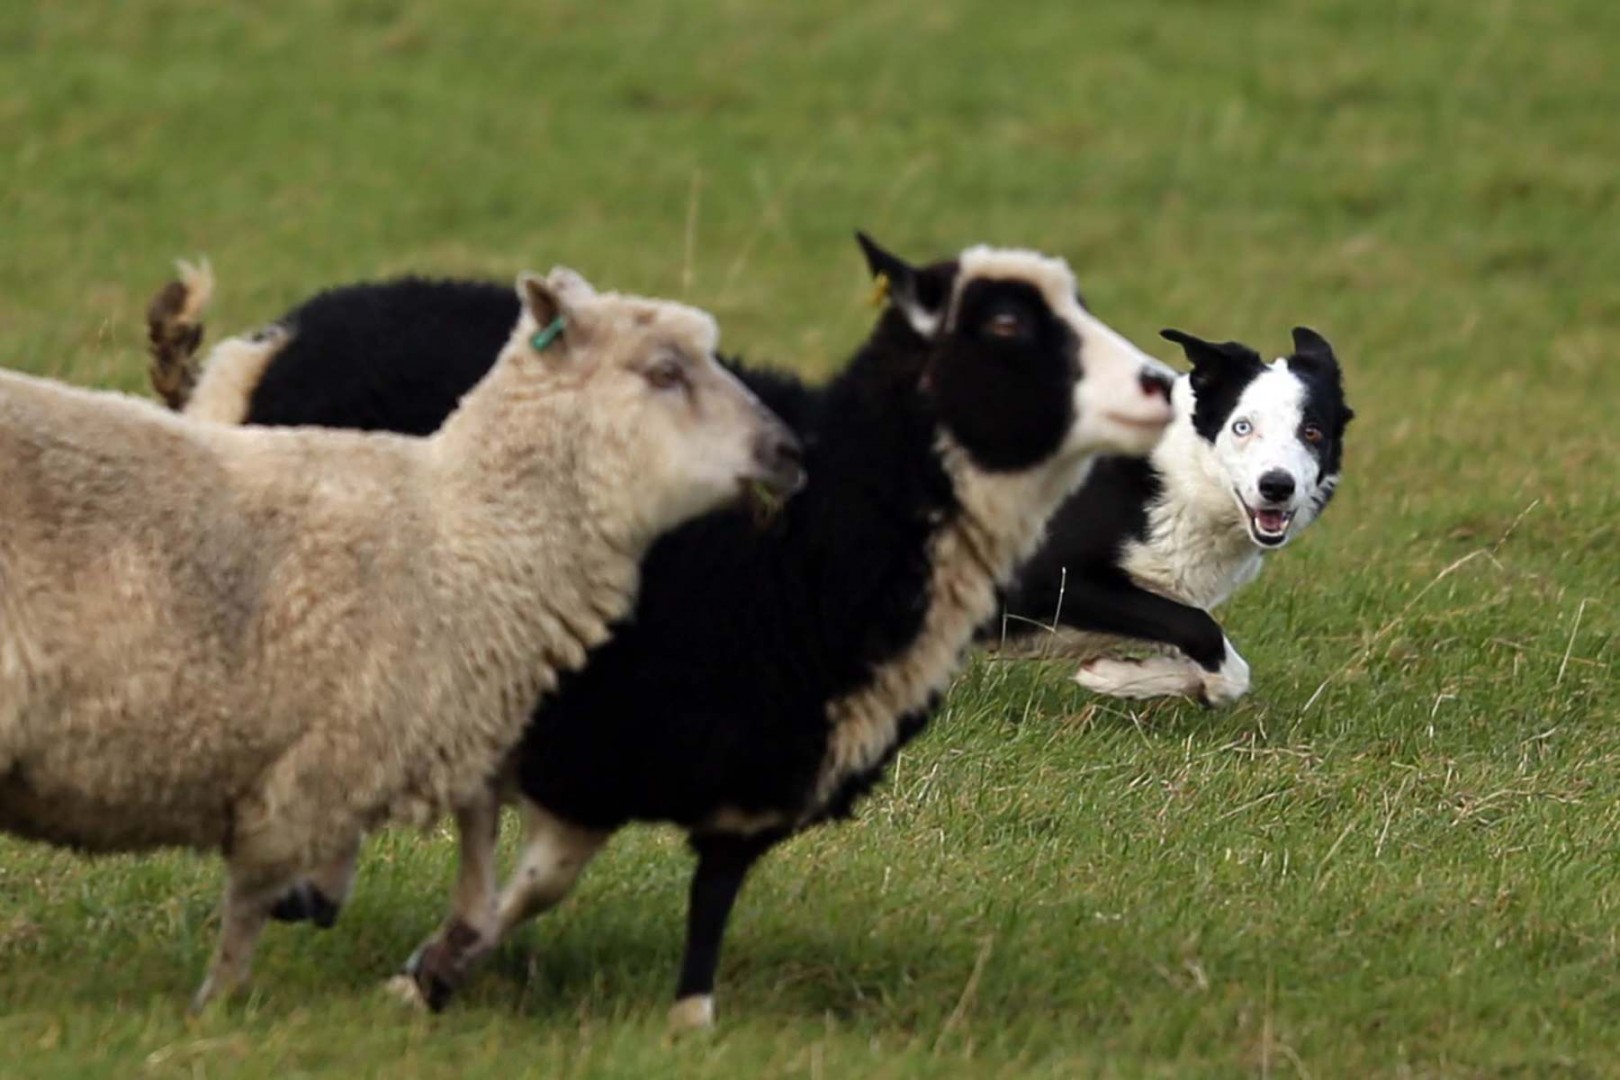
1271 521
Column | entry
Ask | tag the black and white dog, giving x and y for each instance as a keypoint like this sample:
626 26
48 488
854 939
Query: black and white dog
1149 546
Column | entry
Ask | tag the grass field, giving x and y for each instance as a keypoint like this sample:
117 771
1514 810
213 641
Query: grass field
1396 857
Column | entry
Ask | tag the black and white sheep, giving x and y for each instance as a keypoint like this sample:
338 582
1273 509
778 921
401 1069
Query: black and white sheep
265 642
769 675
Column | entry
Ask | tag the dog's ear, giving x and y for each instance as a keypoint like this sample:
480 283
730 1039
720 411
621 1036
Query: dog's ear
1308 343
1314 355
1210 359
919 295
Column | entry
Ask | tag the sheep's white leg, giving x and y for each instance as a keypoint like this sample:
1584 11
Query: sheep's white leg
553 855
248 900
440 964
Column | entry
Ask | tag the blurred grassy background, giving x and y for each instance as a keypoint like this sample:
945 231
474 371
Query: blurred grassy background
1410 872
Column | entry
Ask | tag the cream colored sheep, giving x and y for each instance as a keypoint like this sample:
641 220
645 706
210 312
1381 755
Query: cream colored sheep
268 641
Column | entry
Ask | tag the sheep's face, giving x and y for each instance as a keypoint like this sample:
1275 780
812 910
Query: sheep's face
688 435
1022 376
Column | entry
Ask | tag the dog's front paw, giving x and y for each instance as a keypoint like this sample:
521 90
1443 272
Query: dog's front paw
1227 683
1157 676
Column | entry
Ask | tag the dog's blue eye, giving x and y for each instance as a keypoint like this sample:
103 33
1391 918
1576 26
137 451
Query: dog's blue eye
1241 428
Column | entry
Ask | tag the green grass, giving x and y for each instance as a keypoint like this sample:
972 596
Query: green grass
1395 858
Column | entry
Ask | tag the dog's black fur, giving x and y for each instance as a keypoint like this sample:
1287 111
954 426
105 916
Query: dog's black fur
1076 579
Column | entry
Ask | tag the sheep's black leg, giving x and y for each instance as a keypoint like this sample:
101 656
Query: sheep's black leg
723 864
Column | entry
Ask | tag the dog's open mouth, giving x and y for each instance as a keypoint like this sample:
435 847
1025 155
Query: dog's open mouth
1269 527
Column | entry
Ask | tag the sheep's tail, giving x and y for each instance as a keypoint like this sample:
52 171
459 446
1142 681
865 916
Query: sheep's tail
174 331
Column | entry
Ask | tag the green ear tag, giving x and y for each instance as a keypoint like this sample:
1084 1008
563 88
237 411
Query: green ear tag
544 337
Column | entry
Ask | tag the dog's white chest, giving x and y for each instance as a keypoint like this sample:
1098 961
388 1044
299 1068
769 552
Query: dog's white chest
1185 558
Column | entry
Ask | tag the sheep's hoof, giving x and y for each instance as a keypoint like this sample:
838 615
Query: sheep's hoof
305 903
691 1014
209 999
403 988
427 989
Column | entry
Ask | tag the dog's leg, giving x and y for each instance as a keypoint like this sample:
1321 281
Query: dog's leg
1156 676
1228 682
1113 604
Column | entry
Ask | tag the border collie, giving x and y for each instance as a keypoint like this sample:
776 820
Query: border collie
1149 546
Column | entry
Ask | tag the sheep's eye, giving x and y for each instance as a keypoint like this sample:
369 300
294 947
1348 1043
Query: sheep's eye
1005 325
1241 428
666 374
1312 433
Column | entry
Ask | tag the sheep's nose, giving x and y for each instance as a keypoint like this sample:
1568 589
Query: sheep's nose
1155 383
781 457
1276 486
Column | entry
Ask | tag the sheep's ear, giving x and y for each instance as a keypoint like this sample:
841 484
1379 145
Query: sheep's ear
570 285
538 298
918 295
553 302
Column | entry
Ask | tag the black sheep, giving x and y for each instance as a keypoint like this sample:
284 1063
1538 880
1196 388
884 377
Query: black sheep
771 672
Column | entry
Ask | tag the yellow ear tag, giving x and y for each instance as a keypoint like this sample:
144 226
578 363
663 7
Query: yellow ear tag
880 291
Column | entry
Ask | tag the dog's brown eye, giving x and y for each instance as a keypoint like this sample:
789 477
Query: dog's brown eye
666 374
1312 433
1004 326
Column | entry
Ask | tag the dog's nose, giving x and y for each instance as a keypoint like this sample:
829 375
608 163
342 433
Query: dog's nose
1155 383
1276 486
